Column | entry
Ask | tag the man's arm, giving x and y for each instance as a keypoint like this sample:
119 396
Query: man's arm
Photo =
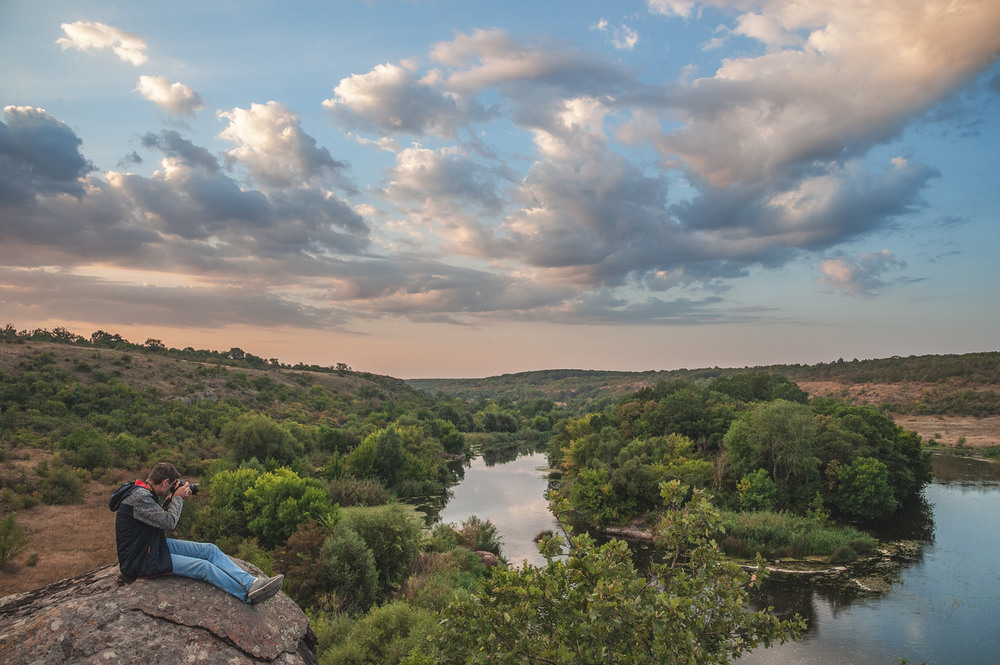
147 510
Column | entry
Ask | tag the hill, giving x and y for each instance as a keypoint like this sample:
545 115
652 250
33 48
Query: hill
949 399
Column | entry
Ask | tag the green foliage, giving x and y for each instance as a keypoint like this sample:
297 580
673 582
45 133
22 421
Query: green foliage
59 484
779 437
391 634
476 534
780 535
257 436
351 491
392 533
225 513
86 448
350 578
280 501
756 491
863 489
591 605
12 540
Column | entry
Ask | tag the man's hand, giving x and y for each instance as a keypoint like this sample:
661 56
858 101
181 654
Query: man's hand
184 491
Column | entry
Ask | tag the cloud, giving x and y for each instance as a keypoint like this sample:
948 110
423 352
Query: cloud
838 79
38 155
859 277
683 8
621 36
92 36
172 144
393 99
174 98
272 146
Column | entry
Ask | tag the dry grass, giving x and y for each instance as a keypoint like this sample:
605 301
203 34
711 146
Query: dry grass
68 540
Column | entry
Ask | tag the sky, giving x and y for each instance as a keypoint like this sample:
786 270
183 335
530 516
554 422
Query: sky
437 188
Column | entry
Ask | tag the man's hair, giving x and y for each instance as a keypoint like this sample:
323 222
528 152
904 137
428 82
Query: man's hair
162 471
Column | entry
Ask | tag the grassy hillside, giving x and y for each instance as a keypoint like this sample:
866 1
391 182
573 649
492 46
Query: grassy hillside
956 385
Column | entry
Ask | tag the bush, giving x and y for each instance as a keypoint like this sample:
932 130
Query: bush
12 540
392 533
387 635
60 484
350 578
350 491
474 533
280 501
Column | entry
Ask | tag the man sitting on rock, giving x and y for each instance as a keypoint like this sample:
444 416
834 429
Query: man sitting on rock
145 551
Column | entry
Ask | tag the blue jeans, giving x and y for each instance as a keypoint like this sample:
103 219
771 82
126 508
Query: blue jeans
205 561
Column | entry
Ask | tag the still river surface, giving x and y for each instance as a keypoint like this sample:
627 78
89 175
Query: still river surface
942 606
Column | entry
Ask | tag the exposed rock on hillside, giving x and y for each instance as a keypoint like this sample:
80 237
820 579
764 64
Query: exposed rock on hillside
102 617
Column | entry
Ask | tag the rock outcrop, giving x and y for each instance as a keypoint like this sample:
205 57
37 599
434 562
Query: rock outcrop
104 617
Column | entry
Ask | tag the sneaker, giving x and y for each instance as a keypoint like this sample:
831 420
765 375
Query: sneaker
264 588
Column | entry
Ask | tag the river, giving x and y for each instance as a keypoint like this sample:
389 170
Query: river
942 607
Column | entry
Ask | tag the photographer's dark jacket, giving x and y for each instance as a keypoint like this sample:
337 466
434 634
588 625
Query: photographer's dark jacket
139 529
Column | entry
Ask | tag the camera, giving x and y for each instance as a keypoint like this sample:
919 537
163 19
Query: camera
179 483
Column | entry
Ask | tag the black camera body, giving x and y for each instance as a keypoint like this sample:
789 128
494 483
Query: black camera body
179 483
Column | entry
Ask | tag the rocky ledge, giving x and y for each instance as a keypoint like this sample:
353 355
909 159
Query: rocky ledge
103 617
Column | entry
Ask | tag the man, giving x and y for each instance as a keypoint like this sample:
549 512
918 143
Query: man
145 551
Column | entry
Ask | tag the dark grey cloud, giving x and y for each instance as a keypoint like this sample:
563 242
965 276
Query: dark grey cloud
172 144
38 155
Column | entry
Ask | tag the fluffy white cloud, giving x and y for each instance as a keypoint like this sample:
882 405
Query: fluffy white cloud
272 146
93 36
174 98
847 75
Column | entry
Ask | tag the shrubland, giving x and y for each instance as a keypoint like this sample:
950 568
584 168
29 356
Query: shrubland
304 471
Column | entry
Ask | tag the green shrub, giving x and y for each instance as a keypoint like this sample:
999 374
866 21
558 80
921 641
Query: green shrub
350 578
60 484
280 501
12 540
387 635
393 534
350 491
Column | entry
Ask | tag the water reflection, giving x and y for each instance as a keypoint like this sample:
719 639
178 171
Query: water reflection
510 494
942 606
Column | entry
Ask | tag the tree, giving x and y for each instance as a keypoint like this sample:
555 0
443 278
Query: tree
255 435
590 604
863 489
780 437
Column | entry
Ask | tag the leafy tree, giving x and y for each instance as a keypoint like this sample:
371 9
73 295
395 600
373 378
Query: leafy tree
12 539
258 436
590 604
779 437
863 489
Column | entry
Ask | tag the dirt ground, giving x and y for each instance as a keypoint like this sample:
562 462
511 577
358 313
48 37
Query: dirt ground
946 430
67 540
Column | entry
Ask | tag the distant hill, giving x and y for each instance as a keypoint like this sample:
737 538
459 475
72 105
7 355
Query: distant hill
952 399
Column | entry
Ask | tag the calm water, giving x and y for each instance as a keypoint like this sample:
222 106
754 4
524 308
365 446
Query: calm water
943 606
512 496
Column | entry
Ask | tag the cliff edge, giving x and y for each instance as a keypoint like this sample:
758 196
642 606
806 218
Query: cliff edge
104 617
